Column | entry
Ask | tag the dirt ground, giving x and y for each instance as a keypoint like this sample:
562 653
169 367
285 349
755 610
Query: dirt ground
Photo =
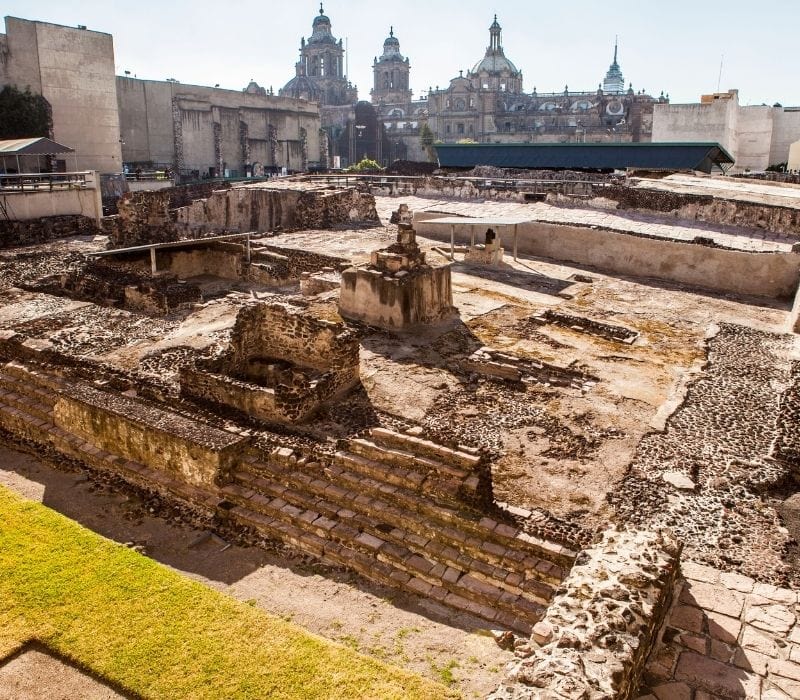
403 630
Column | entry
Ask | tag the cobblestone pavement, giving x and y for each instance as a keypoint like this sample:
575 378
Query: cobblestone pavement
727 636
779 195
709 476
634 223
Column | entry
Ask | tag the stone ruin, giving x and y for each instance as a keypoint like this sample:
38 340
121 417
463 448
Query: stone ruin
490 252
399 289
284 362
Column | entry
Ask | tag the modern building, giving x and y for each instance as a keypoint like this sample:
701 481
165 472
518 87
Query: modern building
73 69
756 136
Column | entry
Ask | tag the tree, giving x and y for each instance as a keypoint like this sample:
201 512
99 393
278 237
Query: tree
364 165
24 114
426 141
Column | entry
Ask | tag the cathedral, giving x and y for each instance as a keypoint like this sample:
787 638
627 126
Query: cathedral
487 105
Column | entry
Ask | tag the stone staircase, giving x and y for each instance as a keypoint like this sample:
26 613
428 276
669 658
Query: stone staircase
401 511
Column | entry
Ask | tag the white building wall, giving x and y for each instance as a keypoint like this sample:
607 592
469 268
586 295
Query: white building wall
786 132
74 70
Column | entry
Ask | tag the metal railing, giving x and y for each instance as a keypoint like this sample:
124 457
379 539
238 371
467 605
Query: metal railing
46 182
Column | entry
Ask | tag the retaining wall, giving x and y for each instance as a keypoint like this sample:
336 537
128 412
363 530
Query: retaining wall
772 275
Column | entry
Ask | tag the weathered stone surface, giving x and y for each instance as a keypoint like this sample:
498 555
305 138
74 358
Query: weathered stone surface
715 677
679 481
710 597
601 609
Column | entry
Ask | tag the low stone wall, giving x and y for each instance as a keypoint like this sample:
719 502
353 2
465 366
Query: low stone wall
142 218
36 204
706 208
42 230
594 640
771 275
148 434
283 363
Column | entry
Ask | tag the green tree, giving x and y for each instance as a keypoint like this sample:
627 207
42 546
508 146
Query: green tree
364 165
24 114
426 141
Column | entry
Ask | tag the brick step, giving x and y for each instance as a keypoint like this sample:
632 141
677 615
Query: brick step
454 524
509 576
26 404
410 443
456 520
27 386
444 490
415 565
34 377
354 492
396 456
375 570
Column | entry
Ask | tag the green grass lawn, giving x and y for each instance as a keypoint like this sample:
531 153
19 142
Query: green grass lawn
155 633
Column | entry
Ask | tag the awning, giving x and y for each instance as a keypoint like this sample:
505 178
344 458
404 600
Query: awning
39 146
586 156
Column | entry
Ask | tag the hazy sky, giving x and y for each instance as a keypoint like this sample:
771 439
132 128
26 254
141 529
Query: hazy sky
670 45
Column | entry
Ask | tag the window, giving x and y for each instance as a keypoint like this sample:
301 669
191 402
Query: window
460 128
447 129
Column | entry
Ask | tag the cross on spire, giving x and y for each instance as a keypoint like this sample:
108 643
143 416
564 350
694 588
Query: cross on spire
391 31
321 11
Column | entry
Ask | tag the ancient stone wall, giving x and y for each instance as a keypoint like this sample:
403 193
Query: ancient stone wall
48 228
594 640
765 274
282 364
145 433
706 208
143 218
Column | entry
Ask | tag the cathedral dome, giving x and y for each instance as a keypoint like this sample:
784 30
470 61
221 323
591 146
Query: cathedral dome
321 33
300 87
494 63
495 60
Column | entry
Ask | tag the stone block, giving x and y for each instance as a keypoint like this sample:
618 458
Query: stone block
687 617
717 678
724 628
713 597
750 660
673 691
775 619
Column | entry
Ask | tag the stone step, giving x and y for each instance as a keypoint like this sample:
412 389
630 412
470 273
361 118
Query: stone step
27 385
398 457
444 490
483 534
37 377
26 403
46 433
508 575
352 534
426 448
366 564
380 504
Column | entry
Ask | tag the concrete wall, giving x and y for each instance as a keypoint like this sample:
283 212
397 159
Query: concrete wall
193 127
773 275
756 136
794 156
74 70
785 133
697 122
24 206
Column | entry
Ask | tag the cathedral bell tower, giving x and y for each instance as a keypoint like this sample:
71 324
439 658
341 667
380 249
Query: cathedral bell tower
391 74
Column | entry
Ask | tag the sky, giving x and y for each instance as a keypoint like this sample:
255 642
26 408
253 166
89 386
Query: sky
676 46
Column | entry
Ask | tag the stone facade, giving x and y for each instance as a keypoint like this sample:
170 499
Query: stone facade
200 131
48 228
398 289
